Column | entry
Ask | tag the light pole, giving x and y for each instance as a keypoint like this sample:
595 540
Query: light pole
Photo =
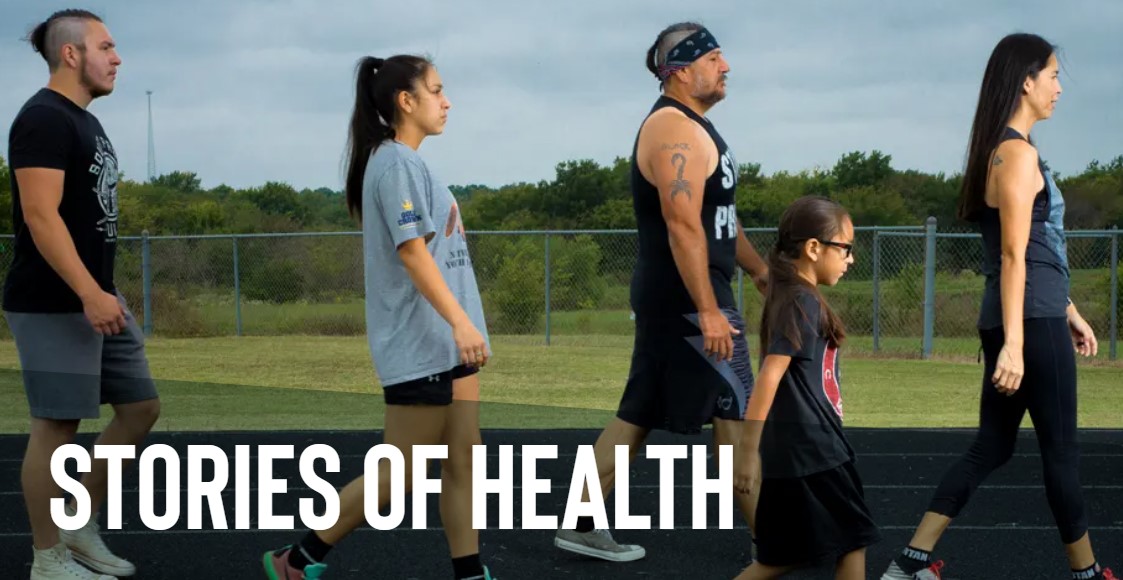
151 143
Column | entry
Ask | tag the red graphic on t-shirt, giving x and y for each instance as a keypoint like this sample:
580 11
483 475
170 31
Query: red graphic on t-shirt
830 381
454 224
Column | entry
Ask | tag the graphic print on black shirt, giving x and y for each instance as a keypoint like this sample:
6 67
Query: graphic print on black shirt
53 132
831 389
105 168
803 433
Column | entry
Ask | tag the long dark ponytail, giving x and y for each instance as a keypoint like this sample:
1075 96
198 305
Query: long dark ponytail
808 218
377 85
1014 58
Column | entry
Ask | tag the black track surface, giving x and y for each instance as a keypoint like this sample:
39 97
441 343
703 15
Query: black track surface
1006 532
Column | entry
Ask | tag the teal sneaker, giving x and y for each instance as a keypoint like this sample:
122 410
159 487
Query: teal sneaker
277 567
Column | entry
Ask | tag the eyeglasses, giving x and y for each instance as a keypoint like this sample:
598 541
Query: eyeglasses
849 248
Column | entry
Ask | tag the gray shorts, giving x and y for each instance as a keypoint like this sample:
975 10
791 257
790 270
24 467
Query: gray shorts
69 370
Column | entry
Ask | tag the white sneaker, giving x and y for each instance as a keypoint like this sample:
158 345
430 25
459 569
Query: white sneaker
89 549
932 572
57 564
598 544
894 572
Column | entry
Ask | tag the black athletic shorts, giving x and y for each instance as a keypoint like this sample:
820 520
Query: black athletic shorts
813 520
674 387
430 390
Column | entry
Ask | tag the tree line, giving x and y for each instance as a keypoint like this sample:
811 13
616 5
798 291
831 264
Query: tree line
587 195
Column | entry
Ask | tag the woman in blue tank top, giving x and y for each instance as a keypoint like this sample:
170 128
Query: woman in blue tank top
1029 328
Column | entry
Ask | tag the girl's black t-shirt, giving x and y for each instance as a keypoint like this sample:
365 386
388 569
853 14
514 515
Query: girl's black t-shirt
803 433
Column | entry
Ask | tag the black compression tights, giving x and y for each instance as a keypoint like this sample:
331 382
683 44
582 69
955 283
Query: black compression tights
1048 392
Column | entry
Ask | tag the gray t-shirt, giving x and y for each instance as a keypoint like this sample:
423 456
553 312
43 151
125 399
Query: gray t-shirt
403 200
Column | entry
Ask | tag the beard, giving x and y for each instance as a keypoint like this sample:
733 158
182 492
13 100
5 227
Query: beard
92 87
709 95
711 98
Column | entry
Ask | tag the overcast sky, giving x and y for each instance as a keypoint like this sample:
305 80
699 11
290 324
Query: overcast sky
251 90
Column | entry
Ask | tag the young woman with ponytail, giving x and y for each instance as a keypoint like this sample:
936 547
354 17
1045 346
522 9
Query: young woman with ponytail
425 322
794 461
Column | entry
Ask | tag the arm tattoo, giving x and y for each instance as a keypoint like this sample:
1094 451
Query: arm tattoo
997 160
673 146
679 185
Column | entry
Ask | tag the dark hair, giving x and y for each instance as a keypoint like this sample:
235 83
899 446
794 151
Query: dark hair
1016 57
810 217
378 84
48 36
667 39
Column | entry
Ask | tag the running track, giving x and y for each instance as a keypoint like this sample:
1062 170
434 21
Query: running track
1006 532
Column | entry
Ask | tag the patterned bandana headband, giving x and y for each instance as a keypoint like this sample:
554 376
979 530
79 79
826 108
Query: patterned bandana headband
687 51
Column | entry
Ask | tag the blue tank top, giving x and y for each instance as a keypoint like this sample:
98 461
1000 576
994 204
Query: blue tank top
1047 273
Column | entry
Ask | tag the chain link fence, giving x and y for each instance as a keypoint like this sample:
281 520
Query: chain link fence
912 291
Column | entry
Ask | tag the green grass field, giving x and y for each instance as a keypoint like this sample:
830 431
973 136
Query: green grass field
346 319
315 382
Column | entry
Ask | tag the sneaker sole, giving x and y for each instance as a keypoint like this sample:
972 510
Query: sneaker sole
888 577
102 567
595 553
267 564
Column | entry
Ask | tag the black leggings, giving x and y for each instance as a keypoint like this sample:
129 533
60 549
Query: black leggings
1048 392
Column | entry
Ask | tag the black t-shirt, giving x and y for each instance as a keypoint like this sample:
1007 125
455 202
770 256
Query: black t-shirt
803 434
657 288
51 131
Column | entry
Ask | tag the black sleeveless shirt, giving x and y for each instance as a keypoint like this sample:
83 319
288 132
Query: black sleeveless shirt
657 287
1046 257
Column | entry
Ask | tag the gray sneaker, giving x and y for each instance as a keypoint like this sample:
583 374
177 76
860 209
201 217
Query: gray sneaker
598 544
930 573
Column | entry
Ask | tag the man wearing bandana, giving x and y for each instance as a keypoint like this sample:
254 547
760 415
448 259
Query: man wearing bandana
690 364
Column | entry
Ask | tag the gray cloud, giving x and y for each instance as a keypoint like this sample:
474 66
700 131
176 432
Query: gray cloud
252 91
